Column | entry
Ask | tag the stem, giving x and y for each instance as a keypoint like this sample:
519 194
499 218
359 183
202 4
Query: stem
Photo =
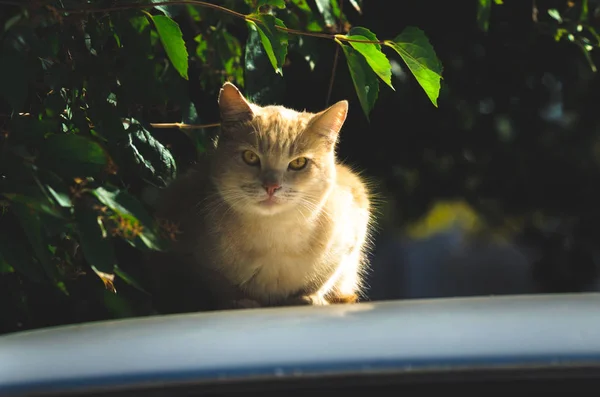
333 68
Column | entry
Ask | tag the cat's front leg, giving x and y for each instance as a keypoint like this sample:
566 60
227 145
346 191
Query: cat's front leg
244 304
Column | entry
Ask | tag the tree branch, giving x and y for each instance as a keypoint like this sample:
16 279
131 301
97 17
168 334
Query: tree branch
219 8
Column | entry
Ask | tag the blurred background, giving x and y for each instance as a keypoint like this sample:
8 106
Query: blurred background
493 192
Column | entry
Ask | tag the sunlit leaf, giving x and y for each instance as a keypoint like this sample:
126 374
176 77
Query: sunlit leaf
324 7
357 4
414 48
274 41
365 80
372 53
172 40
553 12
127 206
145 156
107 278
261 88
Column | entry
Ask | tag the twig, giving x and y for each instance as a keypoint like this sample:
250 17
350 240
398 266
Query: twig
335 57
184 126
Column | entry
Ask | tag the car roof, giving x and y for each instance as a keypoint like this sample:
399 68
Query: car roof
278 342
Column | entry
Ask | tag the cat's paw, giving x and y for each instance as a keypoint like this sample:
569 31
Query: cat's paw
306 300
244 304
343 298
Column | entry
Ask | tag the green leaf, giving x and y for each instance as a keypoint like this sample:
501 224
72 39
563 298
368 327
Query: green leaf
130 208
61 197
325 8
365 80
37 203
274 41
147 157
97 248
357 4
172 40
72 156
229 51
261 88
308 21
199 137
483 14
272 3
372 53
553 12
4 266
32 225
419 56
170 11
128 279
583 15
30 130
201 48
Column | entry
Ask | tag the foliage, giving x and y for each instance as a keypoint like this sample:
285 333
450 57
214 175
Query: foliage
82 88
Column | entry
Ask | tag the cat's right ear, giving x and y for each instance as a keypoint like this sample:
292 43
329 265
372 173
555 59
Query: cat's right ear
329 122
232 105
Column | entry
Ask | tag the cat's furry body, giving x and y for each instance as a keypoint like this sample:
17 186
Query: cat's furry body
257 232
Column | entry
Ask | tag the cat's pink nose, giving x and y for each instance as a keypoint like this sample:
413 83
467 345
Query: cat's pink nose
271 188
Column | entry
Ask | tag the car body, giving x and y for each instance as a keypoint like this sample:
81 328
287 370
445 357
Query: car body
474 346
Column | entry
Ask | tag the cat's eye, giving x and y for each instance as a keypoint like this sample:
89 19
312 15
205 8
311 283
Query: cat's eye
298 164
250 157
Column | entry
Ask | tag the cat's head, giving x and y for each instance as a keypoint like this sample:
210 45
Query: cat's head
272 159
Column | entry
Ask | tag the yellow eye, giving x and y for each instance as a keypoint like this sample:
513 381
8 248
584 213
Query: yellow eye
250 157
298 164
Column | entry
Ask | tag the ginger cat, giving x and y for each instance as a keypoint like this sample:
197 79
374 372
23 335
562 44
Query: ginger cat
269 217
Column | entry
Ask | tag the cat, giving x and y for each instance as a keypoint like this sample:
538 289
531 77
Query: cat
268 217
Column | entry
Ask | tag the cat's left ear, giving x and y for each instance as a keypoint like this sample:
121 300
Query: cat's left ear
233 105
329 122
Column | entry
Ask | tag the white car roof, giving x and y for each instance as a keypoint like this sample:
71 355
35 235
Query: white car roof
278 342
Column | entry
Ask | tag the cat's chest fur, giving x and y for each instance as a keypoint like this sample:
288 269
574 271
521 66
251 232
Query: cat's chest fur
270 258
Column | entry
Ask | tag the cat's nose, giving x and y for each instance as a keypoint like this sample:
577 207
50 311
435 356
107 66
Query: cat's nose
271 188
